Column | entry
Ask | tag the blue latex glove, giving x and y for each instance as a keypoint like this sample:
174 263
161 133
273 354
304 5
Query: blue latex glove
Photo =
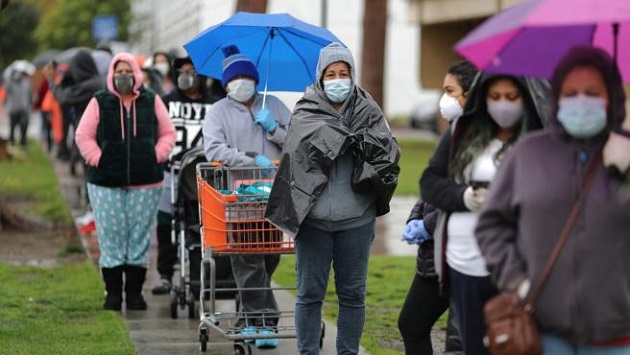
266 120
263 162
415 232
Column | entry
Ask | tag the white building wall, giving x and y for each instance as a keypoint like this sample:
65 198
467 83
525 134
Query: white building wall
175 22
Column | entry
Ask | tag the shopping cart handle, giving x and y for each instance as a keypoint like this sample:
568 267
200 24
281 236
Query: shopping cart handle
216 163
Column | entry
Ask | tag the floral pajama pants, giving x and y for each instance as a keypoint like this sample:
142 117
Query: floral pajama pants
125 219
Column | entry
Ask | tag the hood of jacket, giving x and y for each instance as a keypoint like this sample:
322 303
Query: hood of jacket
534 93
82 66
603 63
334 52
137 73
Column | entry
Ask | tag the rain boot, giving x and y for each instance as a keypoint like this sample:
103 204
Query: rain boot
113 278
134 280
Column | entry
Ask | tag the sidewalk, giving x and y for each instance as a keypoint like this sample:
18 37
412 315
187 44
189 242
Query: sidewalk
154 332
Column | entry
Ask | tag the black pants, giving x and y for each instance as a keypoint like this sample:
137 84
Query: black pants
422 308
18 118
470 294
167 251
47 130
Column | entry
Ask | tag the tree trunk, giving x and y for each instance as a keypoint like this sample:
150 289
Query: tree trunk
373 61
257 6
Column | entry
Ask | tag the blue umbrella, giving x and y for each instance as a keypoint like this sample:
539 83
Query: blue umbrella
284 49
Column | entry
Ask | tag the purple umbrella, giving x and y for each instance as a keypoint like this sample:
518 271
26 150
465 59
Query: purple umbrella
530 38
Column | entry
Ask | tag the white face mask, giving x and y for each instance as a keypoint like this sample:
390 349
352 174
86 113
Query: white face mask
162 67
450 108
505 113
241 90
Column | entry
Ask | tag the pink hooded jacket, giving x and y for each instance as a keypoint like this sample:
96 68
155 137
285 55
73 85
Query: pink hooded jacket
86 131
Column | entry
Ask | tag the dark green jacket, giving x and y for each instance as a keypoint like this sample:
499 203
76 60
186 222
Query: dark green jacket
127 139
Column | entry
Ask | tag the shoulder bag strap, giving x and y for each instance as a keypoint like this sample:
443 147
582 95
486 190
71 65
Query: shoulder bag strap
564 234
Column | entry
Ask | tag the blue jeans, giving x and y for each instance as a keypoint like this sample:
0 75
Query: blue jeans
348 251
553 345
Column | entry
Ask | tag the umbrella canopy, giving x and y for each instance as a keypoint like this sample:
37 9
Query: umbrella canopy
45 57
65 56
19 65
530 38
284 49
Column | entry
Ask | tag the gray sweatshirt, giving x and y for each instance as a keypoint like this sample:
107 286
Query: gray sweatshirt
230 134
19 95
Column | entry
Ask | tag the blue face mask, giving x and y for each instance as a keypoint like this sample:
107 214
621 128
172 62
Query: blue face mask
582 116
337 90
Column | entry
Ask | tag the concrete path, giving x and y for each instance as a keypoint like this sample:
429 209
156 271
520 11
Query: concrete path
154 332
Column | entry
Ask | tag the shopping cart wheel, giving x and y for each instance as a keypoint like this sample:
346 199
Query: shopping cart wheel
174 303
203 339
321 335
190 302
242 349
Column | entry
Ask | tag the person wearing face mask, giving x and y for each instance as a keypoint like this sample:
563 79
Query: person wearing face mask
338 172
125 135
187 106
425 303
161 63
499 110
584 307
239 131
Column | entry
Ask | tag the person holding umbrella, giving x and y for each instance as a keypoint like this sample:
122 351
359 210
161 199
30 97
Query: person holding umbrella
584 307
239 131
338 172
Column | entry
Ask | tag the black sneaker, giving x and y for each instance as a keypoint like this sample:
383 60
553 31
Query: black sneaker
162 288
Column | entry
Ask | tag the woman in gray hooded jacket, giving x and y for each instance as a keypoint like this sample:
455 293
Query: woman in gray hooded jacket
338 171
584 307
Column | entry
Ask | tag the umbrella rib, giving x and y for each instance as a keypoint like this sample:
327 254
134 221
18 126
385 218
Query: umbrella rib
298 54
264 45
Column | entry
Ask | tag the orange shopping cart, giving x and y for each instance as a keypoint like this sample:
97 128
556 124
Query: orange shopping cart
232 202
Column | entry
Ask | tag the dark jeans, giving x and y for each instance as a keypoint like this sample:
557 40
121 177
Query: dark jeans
348 252
18 118
422 308
470 294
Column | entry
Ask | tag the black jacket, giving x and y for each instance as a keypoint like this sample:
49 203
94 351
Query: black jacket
425 261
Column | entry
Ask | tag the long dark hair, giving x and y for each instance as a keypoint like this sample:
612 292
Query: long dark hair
465 74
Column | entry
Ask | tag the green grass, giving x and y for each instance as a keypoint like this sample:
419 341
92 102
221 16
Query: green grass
389 278
414 157
57 311
34 178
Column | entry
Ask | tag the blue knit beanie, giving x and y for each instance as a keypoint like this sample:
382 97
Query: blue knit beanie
236 64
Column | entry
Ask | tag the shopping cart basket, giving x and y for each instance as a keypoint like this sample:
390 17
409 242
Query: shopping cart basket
232 202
